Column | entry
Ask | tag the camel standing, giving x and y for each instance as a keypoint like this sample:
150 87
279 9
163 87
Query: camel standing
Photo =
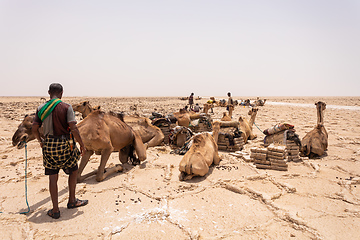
101 133
202 153
104 133
150 134
315 142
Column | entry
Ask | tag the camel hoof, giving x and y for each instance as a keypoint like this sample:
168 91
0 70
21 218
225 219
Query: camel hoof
182 176
119 168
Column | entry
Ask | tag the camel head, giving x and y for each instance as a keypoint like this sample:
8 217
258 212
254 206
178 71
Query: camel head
84 108
24 132
253 111
320 106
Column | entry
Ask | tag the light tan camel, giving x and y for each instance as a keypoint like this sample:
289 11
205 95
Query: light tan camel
315 142
202 153
207 107
150 134
225 117
228 116
246 126
104 133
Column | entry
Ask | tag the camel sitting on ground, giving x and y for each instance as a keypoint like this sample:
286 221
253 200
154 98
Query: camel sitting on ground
184 117
150 134
104 133
246 126
202 153
226 116
315 142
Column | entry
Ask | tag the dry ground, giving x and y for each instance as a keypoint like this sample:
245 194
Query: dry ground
314 199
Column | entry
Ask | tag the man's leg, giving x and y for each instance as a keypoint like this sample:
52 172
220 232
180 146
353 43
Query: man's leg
72 185
53 188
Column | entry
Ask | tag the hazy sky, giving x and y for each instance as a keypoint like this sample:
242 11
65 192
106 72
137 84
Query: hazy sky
173 48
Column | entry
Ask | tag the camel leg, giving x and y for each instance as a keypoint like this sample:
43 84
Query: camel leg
140 148
155 141
100 175
216 158
84 160
252 136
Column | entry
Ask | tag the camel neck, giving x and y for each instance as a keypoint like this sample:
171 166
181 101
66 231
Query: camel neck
252 118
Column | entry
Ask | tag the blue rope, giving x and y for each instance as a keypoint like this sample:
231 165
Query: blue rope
26 199
258 128
25 182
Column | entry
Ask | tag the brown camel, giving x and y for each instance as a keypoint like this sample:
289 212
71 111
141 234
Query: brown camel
24 133
150 134
202 153
246 126
184 117
104 133
84 108
315 142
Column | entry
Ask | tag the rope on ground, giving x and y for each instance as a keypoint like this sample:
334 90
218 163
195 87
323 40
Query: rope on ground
259 128
26 199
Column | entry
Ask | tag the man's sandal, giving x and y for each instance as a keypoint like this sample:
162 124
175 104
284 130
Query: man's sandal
52 214
77 203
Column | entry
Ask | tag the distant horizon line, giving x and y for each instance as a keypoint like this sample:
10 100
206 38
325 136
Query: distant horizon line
345 96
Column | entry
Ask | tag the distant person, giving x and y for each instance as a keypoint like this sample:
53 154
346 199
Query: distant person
196 108
58 147
230 101
191 101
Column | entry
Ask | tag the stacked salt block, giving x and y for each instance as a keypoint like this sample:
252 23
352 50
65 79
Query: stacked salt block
228 142
259 157
292 151
165 127
277 156
203 124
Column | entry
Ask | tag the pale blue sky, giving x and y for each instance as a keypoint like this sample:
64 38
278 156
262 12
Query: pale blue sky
173 48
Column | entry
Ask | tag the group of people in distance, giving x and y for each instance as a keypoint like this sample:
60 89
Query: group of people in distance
197 108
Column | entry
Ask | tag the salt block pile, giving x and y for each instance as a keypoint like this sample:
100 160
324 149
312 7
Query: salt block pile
203 124
229 140
165 126
272 157
292 151
277 157
259 156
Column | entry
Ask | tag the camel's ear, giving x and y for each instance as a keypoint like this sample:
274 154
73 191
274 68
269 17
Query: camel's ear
84 103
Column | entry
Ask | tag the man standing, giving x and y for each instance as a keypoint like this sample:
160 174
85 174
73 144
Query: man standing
191 101
230 101
58 148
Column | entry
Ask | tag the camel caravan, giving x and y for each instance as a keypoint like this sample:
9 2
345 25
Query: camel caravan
195 135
